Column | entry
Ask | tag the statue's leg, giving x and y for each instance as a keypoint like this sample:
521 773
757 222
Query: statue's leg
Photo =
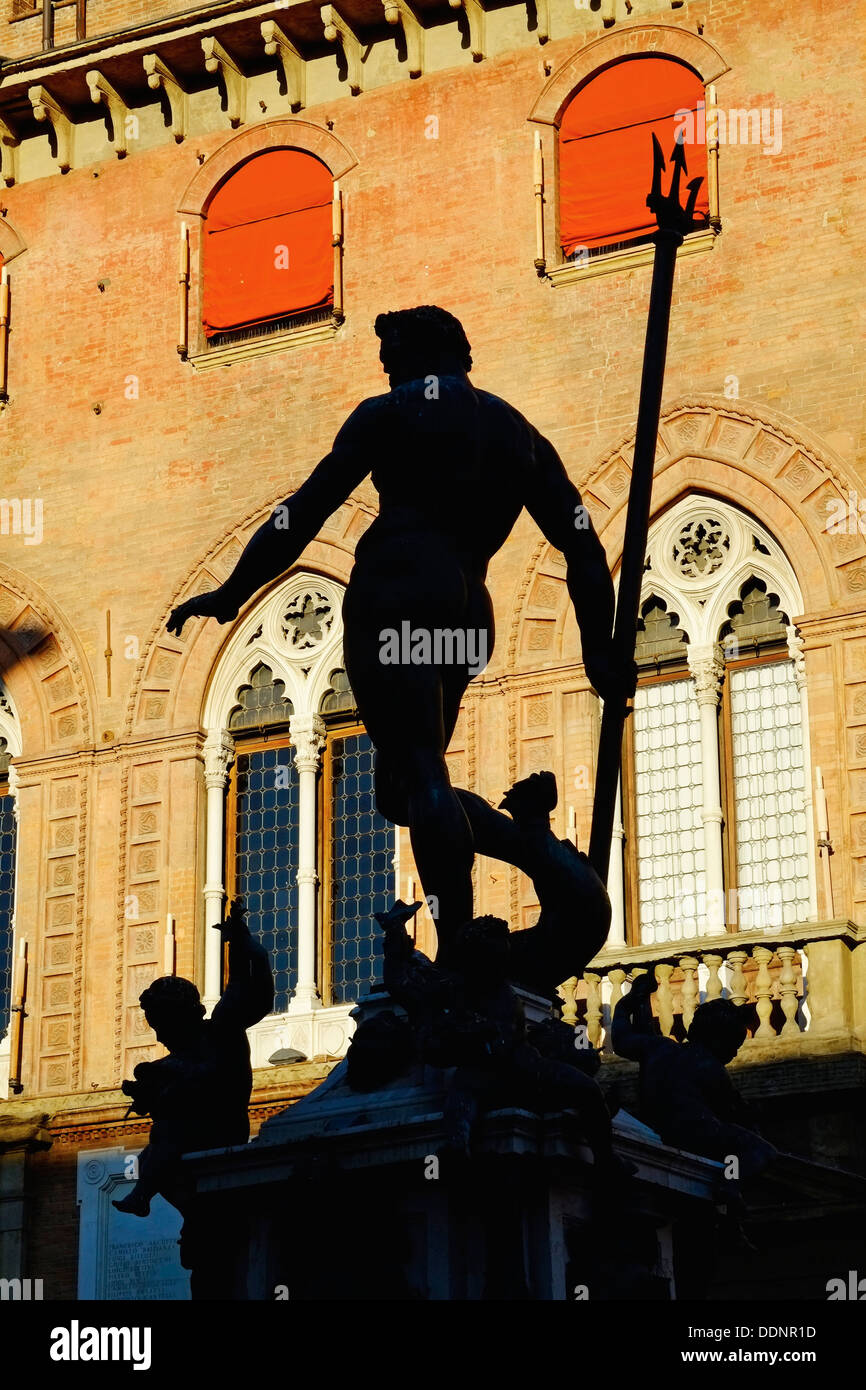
403 706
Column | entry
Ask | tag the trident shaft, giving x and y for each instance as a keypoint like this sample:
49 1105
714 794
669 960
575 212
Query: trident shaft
673 223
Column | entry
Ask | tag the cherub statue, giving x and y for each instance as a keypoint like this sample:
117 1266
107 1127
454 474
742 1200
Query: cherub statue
686 1094
454 467
198 1096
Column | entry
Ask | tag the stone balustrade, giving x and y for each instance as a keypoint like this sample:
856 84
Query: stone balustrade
806 985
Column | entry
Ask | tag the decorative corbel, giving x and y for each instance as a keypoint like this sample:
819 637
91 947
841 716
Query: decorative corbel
9 142
398 12
338 31
293 65
102 92
542 20
48 108
217 60
159 75
475 16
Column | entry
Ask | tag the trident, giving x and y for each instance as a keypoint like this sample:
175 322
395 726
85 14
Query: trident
673 223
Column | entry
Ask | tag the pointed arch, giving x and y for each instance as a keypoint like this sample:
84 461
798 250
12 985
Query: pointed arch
173 674
43 669
765 464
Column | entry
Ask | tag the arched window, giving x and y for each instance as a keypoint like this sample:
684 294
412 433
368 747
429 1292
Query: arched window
268 250
605 151
290 768
717 785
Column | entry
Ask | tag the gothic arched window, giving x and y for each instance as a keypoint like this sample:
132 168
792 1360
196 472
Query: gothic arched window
717 800
305 846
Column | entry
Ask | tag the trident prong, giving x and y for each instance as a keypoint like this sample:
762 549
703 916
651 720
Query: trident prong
669 215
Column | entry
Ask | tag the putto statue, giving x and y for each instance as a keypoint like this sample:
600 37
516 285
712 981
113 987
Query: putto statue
686 1094
454 467
198 1096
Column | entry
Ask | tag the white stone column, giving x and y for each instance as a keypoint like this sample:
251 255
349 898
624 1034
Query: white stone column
795 651
615 885
307 732
218 751
707 669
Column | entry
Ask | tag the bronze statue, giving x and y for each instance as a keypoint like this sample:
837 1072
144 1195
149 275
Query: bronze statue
686 1094
470 1018
454 466
198 1096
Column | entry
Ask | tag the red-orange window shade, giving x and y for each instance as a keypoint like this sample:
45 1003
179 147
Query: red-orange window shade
268 251
605 150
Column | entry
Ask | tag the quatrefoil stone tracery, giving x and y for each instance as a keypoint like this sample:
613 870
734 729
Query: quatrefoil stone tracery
700 547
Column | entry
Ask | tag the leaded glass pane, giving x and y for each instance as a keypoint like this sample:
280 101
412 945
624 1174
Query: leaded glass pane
260 703
769 796
668 803
267 858
7 904
362 879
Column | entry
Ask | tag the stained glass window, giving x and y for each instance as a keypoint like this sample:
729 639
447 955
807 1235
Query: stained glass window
361 880
668 803
7 903
266 862
769 790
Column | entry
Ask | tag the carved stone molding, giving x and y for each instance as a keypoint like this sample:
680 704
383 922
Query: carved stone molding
284 132
665 39
757 458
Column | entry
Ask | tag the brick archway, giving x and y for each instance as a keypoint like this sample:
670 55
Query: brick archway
765 465
271 135
173 674
44 670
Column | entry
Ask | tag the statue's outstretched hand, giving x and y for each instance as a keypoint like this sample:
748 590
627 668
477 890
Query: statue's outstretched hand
215 604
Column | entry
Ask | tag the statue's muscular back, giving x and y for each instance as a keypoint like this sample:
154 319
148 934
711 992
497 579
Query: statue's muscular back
446 462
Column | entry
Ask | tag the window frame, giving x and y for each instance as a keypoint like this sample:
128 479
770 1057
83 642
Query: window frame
563 272
768 654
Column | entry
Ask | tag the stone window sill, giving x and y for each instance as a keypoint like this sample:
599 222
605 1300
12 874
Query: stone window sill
629 259
206 358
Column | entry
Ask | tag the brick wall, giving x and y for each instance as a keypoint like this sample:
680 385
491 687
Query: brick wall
137 494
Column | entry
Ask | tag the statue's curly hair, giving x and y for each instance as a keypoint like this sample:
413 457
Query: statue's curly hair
426 335
170 992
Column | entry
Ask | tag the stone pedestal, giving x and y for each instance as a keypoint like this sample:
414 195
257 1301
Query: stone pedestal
353 1196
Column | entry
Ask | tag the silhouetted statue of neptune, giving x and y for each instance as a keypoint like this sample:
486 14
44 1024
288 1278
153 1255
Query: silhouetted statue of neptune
454 467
